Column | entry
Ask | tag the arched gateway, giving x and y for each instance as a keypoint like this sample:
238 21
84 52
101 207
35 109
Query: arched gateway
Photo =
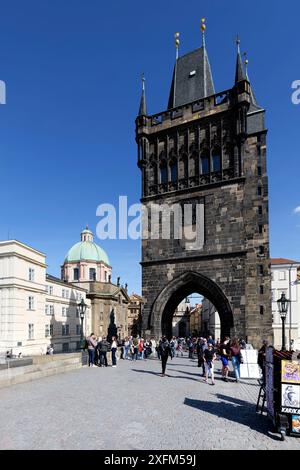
160 319
206 151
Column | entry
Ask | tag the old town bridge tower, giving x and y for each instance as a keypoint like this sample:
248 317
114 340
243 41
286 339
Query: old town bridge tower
207 150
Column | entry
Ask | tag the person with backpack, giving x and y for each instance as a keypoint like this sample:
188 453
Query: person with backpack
103 348
164 351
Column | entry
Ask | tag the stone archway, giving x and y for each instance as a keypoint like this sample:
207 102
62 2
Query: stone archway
160 319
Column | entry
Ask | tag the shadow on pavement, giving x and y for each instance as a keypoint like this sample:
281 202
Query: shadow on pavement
242 413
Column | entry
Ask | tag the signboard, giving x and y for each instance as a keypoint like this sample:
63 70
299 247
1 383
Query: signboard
249 368
296 424
290 396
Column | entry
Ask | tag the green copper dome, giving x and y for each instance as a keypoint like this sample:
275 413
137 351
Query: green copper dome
87 250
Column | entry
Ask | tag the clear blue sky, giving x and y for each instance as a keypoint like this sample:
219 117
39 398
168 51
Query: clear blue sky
72 70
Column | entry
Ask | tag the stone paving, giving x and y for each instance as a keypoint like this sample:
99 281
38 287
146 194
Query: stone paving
131 407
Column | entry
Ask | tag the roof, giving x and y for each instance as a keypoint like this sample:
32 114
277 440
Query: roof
88 251
57 280
192 78
279 261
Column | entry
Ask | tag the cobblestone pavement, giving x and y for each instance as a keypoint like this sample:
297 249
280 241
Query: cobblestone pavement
132 407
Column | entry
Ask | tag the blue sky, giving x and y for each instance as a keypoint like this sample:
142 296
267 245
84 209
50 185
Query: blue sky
72 71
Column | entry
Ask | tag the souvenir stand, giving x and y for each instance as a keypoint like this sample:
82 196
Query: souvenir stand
282 388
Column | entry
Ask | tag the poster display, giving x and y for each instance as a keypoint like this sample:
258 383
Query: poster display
249 368
290 398
296 424
290 372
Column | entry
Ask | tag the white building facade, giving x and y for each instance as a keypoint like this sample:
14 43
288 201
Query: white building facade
37 309
285 279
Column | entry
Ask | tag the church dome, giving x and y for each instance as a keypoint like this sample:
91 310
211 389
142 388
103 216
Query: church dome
86 250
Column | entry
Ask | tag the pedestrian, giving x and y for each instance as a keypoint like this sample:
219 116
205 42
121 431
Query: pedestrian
114 346
92 344
200 352
126 348
172 346
103 348
224 355
236 358
165 351
209 358
261 359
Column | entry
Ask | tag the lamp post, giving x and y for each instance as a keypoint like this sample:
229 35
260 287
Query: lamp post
82 308
283 305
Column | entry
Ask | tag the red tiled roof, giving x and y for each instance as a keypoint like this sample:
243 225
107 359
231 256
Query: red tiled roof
283 261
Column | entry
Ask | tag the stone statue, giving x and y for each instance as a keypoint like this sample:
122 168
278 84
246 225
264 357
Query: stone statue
112 327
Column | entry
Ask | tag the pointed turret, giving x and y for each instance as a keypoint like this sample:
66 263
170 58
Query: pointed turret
192 78
239 70
252 96
143 106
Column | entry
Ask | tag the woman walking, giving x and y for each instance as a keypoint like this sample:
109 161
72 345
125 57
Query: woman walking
209 356
165 350
235 352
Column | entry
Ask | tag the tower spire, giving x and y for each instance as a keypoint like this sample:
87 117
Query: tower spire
239 70
203 28
143 106
177 42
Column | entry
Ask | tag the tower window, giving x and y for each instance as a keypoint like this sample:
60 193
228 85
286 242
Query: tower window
216 160
259 190
204 165
261 289
173 170
260 211
261 309
75 274
163 174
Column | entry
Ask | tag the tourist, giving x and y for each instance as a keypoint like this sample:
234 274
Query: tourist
224 355
211 341
126 348
92 344
103 348
153 347
179 347
165 350
200 351
261 359
114 347
173 346
141 348
209 356
135 347
50 349
236 358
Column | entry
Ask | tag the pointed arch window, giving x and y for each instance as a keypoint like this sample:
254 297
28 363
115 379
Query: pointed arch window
153 174
163 173
216 159
173 171
204 164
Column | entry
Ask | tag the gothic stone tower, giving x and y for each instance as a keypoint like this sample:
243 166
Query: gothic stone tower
207 149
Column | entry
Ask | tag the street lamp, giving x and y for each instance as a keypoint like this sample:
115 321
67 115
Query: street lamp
82 308
283 305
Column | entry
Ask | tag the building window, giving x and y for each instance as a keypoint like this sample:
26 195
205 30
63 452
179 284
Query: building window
260 211
261 309
282 276
92 274
30 303
65 330
51 309
261 250
105 274
260 229
47 331
67 294
63 293
76 274
78 328
47 310
216 160
31 274
30 331
63 311
261 270
204 165
259 190
47 289
65 347
51 330
51 290
259 172
163 174
173 171
261 289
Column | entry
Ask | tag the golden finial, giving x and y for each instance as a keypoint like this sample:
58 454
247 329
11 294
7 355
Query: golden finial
246 61
203 28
